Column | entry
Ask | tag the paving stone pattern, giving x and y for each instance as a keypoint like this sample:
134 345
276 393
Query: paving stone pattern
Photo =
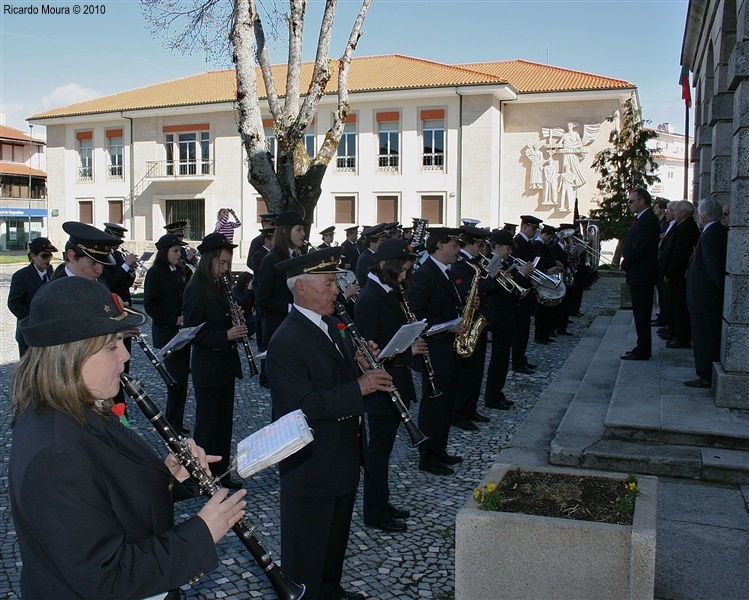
415 564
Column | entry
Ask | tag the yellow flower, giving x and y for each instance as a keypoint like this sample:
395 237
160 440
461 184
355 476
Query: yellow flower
491 487
476 494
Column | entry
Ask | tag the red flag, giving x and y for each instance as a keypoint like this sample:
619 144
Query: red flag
686 92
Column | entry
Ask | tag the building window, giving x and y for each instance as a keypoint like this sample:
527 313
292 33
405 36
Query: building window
432 209
116 212
191 211
387 159
188 153
387 209
346 159
114 168
85 156
261 208
271 145
345 209
86 211
309 140
433 132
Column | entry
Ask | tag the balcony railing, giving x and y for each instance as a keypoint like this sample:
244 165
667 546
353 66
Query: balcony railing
176 169
432 161
345 163
387 162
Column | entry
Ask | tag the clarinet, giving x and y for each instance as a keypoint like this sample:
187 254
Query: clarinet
411 318
165 375
417 437
177 445
236 319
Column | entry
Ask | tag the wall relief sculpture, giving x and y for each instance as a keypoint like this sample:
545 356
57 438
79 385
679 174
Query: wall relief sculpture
556 163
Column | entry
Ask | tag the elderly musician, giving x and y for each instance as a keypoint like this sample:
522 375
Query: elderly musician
312 366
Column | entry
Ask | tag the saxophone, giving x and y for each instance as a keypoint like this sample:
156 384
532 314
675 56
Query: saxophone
465 343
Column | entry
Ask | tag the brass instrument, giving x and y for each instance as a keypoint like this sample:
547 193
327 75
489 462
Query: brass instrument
187 263
411 318
541 278
139 268
417 437
503 278
236 319
465 343
177 445
345 280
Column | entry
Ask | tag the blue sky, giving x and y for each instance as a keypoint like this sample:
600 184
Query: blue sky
52 60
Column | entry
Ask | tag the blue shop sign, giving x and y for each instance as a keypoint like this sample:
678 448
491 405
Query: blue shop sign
15 213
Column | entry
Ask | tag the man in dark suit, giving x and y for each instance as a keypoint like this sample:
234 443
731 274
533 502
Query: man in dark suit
267 222
350 248
705 283
372 238
121 275
525 251
640 263
435 297
311 366
87 251
327 235
27 281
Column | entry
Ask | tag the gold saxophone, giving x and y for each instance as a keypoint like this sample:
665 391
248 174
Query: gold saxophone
465 343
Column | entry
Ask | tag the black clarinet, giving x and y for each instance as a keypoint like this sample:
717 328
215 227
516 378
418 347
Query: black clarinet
159 366
177 445
417 437
411 318
236 319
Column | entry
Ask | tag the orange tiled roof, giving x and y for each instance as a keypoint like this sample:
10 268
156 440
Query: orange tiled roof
7 168
11 133
529 77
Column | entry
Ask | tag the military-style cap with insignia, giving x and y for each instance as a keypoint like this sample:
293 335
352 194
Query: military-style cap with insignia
328 230
115 229
394 248
267 231
503 237
550 229
352 229
375 232
567 226
93 242
41 244
473 234
267 217
177 227
510 226
531 220
319 262
215 241
168 240
445 233
69 309
467 222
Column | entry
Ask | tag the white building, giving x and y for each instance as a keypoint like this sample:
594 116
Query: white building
490 141
669 149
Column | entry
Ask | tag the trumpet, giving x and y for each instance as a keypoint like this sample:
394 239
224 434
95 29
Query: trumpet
309 247
503 278
411 317
139 269
187 263
541 278
417 437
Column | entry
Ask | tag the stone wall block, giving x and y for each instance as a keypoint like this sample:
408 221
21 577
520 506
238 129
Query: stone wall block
741 106
704 136
721 108
736 303
722 138
738 64
737 258
735 348
740 153
739 204
720 180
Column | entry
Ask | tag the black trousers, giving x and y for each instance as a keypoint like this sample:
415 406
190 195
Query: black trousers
706 332
178 365
382 430
642 310
680 320
435 417
526 306
314 536
499 364
214 420
469 382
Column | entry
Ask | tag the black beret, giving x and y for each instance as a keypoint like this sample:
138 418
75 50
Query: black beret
328 230
41 244
394 248
215 241
531 220
115 229
168 240
503 237
69 309
319 262
289 218
94 243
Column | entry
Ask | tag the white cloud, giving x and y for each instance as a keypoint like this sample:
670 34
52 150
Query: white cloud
66 94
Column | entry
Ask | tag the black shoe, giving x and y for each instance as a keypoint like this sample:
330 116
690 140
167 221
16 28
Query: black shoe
544 342
465 425
388 524
563 332
524 371
476 416
698 383
530 366
631 356
397 513
577 314
450 459
499 404
231 483
436 469
353 596
677 344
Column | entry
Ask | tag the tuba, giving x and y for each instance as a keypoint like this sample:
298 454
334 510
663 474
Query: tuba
465 343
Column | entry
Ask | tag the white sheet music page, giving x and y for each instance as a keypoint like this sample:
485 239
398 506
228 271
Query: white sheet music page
402 339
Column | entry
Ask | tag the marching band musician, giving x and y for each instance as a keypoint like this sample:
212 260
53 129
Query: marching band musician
267 221
372 238
215 360
524 250
189 256
327 235
87 251
435 297
561 252
543 333
163 290
311 366
351 250
378 317
91 500
472 374
120 276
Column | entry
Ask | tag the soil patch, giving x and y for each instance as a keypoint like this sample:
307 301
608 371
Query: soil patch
563 496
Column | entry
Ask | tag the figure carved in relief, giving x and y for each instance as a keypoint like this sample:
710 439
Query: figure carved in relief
536 157
567 188
551 175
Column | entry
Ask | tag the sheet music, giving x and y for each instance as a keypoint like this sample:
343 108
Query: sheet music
273 443
179 341
402 339
440 327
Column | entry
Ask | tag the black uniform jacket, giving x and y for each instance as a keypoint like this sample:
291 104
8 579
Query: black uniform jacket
640 250
307 371
363 264
379 316
162 300
118 279
94 513
434 298
501 306
23 285
350 254
272 296
706 274
215 360
677 249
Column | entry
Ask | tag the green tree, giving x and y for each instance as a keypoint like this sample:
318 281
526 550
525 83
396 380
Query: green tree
626 165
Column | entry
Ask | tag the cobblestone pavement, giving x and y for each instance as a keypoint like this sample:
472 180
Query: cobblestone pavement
416 564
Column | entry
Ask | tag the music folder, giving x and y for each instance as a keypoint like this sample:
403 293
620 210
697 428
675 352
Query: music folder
402 339
179 341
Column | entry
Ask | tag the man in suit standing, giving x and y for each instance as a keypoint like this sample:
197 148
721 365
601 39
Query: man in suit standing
525 251
327 235
705 282
27 281
267 221
120 276
311 366
372 236
640 264
351 249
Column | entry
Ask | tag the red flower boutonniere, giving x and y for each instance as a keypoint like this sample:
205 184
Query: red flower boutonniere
459 281
695 248
119 410
342 330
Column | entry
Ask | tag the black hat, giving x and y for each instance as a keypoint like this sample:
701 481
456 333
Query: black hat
328 230
549 229
503 237
177 226
567 226
394 248
267 216
94 243
41 244
531 220
474 234
319 262
267 231
467 222
115 229
289 218
375 232
510 226
69 309
168 240
215 241
354 228
445 233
